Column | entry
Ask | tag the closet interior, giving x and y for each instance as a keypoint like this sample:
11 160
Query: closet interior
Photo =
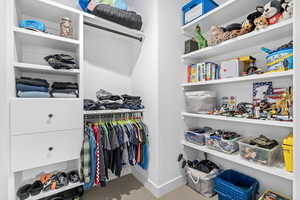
92 99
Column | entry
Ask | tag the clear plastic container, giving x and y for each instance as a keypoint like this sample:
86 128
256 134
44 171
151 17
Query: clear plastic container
195 138
219 144
200 101
258 154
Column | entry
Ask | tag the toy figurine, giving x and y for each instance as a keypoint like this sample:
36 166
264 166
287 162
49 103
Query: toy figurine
260 23
216 35
273 11
287 6
251 17
247 27
202 42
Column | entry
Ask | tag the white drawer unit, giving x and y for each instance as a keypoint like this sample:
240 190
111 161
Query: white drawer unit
32 151
43 115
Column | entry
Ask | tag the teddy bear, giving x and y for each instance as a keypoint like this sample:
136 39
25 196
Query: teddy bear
287 6
273 11
261 22
217 34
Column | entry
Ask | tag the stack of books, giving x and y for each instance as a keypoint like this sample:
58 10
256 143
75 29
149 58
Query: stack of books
203 72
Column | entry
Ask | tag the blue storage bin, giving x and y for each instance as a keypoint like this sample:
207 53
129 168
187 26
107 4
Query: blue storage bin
232 185
197 8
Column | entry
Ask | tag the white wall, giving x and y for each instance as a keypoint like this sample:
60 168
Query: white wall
144 79
170 94
4 139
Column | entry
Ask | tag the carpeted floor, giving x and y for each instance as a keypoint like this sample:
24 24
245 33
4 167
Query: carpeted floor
128 188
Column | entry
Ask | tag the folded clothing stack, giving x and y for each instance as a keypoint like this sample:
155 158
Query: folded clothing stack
132 102
90 104
108 101
64 90
61 61
32 88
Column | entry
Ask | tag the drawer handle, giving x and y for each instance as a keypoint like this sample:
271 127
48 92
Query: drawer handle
50 149
50 115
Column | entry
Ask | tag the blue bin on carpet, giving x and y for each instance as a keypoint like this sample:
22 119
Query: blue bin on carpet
232 185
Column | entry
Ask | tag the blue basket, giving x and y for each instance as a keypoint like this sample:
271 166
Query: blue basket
232 185
197 8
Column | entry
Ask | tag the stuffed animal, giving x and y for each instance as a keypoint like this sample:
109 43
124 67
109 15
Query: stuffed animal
247 27
261 22
273 11
287 6
216 35
251 17
232 31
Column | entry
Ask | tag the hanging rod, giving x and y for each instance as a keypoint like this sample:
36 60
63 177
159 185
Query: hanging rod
113 31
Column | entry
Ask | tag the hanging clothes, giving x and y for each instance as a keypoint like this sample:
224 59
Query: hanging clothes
110 145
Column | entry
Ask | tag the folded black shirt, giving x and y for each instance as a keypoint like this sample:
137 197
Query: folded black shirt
33 81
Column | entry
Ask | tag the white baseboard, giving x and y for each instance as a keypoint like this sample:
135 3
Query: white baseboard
158 190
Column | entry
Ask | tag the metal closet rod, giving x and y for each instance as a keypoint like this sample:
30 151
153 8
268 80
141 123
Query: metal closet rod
113 31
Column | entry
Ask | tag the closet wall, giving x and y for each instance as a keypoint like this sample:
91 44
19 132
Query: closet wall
4 109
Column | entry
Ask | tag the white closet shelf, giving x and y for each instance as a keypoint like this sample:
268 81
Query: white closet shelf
44 68
236 158
271 33
89 18
119 111
242 79
53 192
241 120
47 9
223 14
45 39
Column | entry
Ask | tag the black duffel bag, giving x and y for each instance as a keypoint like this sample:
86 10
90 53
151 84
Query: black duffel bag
129 19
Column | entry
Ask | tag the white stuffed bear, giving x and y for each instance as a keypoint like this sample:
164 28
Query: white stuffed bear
288 6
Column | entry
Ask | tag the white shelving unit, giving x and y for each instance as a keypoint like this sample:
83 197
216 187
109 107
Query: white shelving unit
276 31
242 79
53 192
229 12
241 120
92 19
44 68
239 160
28 49
231 9
119 111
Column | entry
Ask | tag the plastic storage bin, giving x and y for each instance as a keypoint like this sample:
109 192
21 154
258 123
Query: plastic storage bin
220 144
195 138
201 182
200 101
258 154
197 8
232 185
288 152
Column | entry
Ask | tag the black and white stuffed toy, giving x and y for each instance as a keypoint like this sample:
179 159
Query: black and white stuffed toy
287 6
273 11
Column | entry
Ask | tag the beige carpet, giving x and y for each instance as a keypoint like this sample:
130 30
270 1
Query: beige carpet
128 188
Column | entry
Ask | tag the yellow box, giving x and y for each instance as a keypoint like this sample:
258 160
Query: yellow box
288 152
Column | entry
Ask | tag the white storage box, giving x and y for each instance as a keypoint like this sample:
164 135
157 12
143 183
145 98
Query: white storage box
200 101
201 182
258 154
231 68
